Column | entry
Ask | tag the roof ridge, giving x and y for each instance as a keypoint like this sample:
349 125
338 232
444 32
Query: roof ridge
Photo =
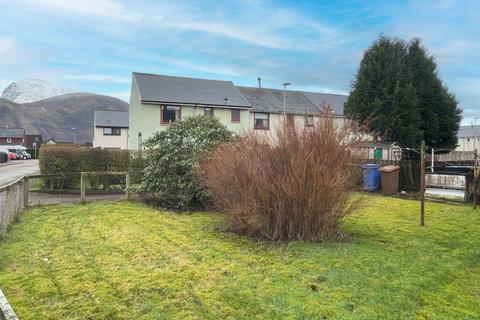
299 91
178 77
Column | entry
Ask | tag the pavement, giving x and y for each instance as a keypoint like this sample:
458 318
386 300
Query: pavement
14 169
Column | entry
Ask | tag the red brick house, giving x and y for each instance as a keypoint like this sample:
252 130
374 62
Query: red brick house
12 136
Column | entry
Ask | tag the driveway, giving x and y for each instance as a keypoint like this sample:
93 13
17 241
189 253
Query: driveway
17 168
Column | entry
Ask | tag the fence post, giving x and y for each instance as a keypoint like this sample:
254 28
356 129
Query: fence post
26 187
422 184
475 180
82 186
127 185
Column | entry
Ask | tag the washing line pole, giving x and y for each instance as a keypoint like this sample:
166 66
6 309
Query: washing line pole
433 160
422 184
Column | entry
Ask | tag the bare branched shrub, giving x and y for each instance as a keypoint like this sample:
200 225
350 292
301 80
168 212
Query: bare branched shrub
290 184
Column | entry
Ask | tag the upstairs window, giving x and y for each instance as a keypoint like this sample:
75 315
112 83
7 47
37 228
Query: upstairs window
112 131
309 120
261 121
235 115
208 112
170 114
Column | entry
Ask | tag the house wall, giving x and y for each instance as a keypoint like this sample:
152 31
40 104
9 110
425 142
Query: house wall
468 144
276 121
109 141
15 141
145 118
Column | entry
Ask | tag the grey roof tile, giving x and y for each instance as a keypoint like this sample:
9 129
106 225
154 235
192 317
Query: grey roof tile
468 131
159 88
111 118
11 133
321 100
297 102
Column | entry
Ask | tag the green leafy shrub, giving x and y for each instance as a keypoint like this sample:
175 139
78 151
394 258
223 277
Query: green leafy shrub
172 156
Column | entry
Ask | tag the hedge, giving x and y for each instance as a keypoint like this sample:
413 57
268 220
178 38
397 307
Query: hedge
32 152
71 160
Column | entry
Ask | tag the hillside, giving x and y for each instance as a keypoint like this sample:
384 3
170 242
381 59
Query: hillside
55 117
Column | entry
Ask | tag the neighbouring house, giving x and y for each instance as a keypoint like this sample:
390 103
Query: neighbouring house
156 101
377 150
110 129
301 108
33 141
468 138
53 142
12 136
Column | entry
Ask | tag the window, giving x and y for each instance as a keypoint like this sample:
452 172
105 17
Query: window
235 115
208 112
261 121
112 131
9 140
309 120
290 119
169 114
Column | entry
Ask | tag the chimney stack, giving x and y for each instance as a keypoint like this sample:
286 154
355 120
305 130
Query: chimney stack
259 82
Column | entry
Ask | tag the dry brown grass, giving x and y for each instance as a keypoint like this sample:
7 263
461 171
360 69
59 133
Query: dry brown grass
290 184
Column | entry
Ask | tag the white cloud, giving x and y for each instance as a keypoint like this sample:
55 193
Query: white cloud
253 22
123 95
101 8
7 46
201 67
98 77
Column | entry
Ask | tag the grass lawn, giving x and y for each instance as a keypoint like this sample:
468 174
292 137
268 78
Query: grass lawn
129 261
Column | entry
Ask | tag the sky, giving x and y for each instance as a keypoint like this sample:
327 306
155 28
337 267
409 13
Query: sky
95 45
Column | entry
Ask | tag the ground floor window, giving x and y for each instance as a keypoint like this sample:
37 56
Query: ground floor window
235 115
112 131
261 121
290 119
208 112
170 114
309 120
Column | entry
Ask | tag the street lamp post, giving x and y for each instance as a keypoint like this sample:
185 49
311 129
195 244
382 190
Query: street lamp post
285 102
73 129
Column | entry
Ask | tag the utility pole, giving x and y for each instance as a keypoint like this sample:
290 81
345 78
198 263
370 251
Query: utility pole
422 184
475 180
285 102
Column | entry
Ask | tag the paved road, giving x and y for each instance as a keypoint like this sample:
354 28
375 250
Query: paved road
17 168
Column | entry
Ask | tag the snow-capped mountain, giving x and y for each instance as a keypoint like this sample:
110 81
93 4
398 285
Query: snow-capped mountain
31 90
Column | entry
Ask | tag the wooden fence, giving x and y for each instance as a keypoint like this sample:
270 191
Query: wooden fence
12 203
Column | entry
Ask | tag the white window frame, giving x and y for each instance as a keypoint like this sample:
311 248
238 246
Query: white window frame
267 118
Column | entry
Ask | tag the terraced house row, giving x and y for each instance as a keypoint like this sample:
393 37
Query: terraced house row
156 101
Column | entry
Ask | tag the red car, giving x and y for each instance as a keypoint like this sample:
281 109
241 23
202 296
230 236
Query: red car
12 156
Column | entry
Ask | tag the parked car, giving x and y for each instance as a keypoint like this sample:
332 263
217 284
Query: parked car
3 156
24 155
12 156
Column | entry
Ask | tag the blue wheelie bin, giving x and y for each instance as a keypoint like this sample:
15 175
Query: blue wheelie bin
371 177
